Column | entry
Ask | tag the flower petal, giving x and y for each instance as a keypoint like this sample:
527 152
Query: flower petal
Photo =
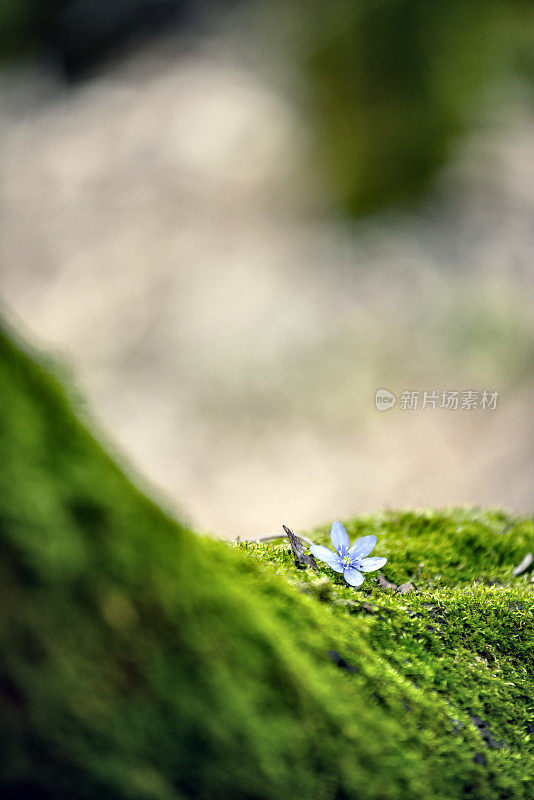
370 564
340 539
362 547
326 555
353 577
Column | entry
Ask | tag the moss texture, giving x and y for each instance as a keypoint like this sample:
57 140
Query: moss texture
138 660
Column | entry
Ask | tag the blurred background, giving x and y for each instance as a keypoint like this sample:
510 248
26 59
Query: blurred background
233 222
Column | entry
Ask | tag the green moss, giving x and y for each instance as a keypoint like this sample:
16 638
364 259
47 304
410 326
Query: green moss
141 661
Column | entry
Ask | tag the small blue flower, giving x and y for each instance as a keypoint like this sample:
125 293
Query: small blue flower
350 561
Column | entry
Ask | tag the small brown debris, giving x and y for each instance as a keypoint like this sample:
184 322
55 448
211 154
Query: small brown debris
385 584
405 588
302 559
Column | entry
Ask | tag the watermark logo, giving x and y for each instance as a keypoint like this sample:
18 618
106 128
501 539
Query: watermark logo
384 400
450 400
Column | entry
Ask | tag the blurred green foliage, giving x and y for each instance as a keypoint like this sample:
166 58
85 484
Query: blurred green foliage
388 85
139 661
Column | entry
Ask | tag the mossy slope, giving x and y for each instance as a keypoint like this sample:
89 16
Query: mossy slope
138 660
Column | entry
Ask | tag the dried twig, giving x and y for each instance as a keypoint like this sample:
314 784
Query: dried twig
271 536
302 559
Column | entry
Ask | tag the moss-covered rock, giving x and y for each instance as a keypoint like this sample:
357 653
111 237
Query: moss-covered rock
138 660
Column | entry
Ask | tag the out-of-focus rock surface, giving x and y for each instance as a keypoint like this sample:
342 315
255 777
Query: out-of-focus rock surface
157 234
